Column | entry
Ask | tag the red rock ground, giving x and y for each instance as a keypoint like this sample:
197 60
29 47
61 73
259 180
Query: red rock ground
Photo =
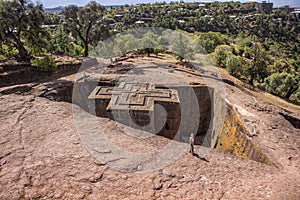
42 157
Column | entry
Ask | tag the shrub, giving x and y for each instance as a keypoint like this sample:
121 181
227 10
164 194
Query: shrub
76 50
297 95
280 84
36 51
209 41
10 51
221 54
46 64
234 65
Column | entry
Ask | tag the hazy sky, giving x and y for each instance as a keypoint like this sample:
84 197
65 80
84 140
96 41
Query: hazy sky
55 3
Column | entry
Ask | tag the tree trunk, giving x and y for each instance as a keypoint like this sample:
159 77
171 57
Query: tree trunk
291 91
86 41
251 81
181 59
86 49
23 54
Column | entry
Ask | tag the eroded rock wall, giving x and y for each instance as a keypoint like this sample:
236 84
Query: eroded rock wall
233 139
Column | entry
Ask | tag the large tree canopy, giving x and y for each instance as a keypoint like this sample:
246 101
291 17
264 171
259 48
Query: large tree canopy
86 23
20 22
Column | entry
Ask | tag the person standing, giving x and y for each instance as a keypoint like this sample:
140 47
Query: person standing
192 141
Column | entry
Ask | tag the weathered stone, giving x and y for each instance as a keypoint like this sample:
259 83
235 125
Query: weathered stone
168 110
203 178
233 140
135 104
96 178
86 188
157 186
168 173
97 162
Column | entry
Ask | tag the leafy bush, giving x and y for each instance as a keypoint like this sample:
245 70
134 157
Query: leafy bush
280 84
157 51
46 64
76 50
37 51
234 65
209 41
297 95
10 51
221 54
2 57
282 65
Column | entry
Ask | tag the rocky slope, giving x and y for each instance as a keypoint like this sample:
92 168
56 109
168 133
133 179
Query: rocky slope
42 156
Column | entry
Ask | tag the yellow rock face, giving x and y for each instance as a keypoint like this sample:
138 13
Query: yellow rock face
233 139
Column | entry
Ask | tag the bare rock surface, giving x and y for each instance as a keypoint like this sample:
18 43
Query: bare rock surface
43 157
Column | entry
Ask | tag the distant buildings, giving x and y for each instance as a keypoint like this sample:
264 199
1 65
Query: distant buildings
296 11
265 6
140 22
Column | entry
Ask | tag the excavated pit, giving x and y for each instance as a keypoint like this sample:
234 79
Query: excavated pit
218 123
171 111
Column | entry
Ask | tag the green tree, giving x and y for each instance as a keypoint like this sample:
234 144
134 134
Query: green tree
105 49
209 41
235 65
181 47
221 53
60 41
149 42
281 84
259 62
20 23
282 65
86 23
46 64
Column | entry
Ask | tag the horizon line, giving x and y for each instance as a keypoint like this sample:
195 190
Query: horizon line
205 1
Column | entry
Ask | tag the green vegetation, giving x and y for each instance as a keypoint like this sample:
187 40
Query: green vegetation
209 41
262 63
86 24
20 26
256 45
282 84
46 64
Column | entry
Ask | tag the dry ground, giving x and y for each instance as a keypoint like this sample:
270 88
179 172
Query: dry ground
42 157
